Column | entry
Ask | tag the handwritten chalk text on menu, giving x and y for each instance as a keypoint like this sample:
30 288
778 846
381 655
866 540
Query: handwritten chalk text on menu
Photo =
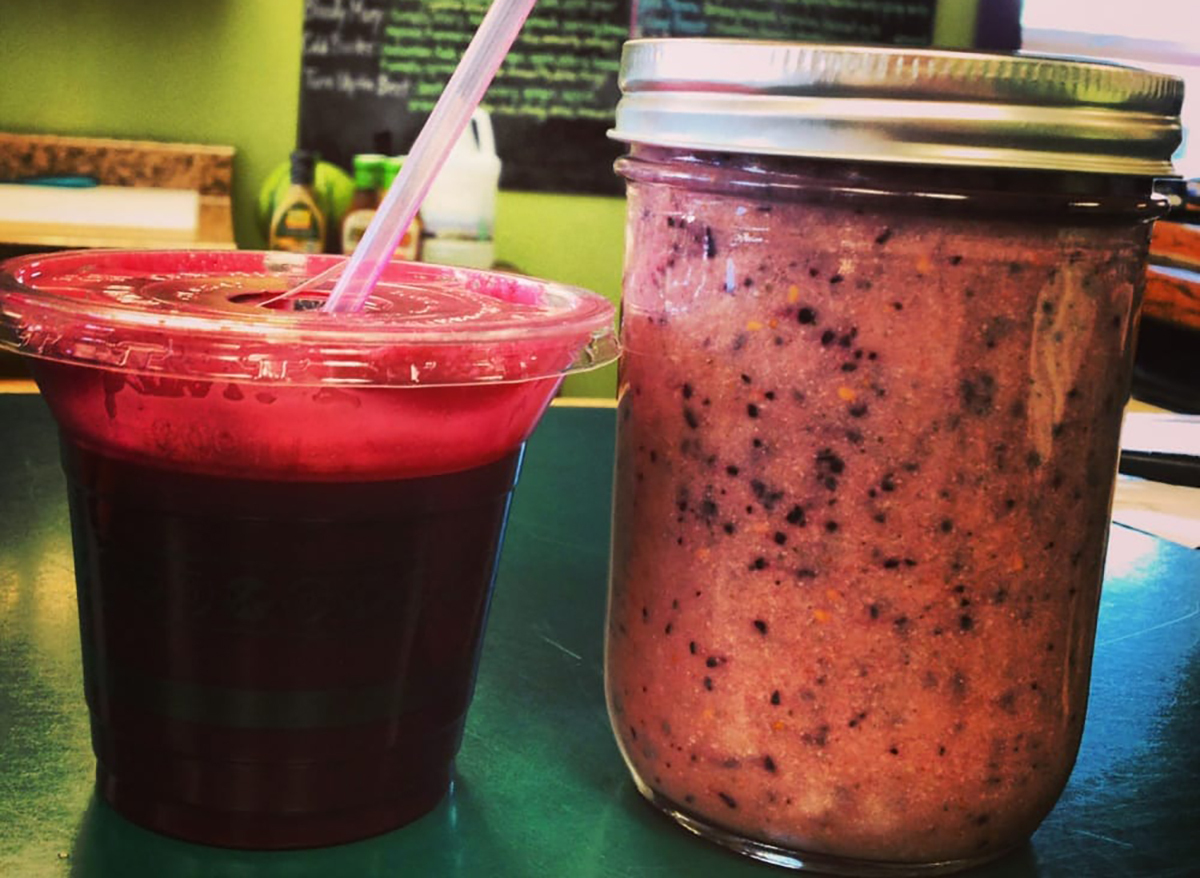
897 22
372 70
564 65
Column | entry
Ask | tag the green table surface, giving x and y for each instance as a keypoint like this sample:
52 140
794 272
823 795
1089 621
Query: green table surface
540 787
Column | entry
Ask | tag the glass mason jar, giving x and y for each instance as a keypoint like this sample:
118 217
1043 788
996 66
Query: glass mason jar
877 341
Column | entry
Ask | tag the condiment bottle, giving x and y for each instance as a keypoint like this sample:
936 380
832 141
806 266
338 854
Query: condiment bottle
297 224
368 177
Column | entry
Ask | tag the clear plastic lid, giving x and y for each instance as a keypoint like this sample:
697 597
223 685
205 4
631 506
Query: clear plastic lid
201 315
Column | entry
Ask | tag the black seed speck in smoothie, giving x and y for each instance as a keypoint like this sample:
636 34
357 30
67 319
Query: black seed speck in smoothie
828 337
769 764
977 393
760 626
751 410
729 800
690 417
829 461
796 516
806 315
858 411
780 537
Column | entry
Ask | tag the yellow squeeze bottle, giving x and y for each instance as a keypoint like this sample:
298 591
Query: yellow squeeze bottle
297 225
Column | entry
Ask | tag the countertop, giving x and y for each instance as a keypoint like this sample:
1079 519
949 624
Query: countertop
540 787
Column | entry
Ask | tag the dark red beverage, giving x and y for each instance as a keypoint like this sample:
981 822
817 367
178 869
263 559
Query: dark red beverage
279 663
285 525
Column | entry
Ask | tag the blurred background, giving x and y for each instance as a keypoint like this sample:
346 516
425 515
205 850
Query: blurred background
232 73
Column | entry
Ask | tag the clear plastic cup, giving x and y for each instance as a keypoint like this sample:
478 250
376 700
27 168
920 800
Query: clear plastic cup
285 523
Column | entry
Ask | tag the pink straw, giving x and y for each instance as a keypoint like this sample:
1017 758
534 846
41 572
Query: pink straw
357 277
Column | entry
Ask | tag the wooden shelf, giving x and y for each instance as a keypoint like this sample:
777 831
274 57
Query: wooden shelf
206 171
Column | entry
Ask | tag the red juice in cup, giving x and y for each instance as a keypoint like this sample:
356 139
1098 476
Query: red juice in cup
286 524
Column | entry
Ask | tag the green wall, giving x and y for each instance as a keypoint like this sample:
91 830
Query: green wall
227 72
197 71
571 239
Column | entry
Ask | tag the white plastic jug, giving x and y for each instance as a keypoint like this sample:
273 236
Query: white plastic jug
459 212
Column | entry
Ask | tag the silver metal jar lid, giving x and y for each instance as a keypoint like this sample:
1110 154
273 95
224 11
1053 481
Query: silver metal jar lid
912 106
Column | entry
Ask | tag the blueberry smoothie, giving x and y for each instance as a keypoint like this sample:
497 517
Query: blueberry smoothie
866 450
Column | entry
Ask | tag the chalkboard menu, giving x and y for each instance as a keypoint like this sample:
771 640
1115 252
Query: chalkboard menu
372 70
898 22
